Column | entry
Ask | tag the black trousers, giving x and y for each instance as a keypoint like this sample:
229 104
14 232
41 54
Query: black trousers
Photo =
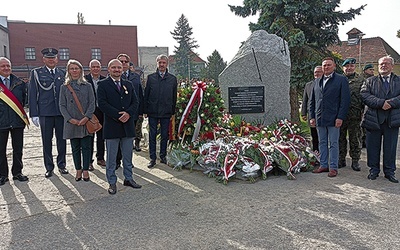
49 125
17 142
374 142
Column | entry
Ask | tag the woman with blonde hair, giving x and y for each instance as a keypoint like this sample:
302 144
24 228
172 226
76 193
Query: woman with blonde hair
74 119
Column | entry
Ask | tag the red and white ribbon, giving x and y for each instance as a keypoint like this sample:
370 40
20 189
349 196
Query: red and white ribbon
197 96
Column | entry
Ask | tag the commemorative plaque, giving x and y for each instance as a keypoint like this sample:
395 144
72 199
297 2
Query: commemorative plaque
244 100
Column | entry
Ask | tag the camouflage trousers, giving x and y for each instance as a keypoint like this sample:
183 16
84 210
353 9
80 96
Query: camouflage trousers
352 129
138 128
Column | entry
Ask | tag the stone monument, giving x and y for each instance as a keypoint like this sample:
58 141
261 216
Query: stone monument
255 84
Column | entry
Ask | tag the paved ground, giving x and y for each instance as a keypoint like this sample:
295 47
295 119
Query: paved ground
187 210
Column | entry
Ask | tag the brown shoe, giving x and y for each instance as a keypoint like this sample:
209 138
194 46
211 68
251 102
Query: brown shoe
332 173
320 170
101 163
91 168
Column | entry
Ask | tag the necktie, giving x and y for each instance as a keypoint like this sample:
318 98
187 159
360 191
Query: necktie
126 74
52 72
7 82
162 74
386 83
118 85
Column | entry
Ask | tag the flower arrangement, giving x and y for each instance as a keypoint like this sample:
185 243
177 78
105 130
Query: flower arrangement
252 154
199 109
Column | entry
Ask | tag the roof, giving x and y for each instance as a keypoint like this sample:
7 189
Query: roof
371 49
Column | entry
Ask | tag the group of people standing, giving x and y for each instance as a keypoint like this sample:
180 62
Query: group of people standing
365 108
61 103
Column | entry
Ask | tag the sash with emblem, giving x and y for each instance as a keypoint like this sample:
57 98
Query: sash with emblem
9 98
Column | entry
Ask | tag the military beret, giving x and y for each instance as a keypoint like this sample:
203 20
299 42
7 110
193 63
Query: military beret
49 52
349 61
368 66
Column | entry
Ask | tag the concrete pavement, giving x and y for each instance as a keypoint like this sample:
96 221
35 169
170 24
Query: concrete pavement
187 210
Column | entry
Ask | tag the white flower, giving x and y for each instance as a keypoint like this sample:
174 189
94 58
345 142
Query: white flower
202 115
207 105
208 94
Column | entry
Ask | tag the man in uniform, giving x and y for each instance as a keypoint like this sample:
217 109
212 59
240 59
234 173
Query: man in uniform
44 91
351 125
368 72
13 120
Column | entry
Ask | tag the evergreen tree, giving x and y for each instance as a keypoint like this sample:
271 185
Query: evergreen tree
81 19
398 33
184 53
309 27
214 66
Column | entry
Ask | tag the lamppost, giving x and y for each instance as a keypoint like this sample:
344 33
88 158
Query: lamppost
359 53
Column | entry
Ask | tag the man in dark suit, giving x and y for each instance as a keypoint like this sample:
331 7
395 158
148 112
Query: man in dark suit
160 97
381 95
93 78
305 106
44 91
13 121
329 105
117 99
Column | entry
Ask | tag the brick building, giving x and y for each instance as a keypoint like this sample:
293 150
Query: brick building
366 50
82 42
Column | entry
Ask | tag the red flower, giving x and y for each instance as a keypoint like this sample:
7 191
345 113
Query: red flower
212 99
218 91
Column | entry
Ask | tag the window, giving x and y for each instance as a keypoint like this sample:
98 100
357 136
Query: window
64 53
96 53
30 54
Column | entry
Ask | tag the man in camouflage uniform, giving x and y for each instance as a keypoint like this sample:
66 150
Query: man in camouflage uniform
351 125
368 72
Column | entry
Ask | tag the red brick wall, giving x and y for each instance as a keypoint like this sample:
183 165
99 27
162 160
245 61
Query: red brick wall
80 39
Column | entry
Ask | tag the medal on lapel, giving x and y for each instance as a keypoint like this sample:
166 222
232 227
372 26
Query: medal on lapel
126 91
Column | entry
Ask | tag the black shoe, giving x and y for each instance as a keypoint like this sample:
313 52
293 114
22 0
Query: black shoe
364 145
118 166
137 149
151 164
112 189
131 183
342 164
355 166
49 173
372 176
20 177
3 180
63 170
391 178
163 160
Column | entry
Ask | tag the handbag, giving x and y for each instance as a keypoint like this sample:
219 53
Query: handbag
93 124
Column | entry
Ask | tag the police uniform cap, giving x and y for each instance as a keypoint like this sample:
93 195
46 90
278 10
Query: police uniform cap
349 61
49 52
368 66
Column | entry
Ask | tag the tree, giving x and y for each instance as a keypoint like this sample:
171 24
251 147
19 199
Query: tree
81 19
184 51
214 66
309 27
398 33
